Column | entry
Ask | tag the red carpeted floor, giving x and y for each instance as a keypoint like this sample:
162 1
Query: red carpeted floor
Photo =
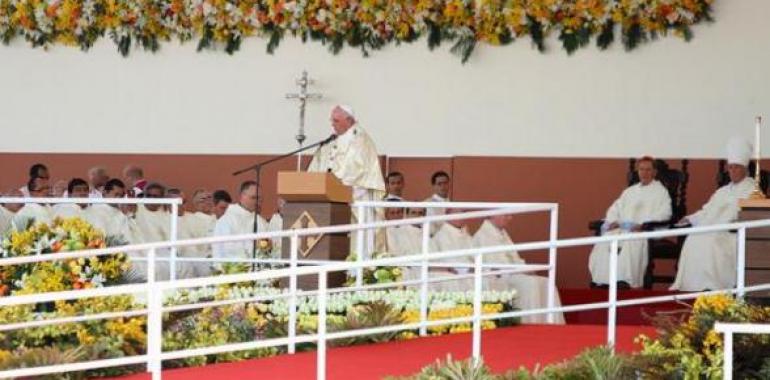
629 315
503 349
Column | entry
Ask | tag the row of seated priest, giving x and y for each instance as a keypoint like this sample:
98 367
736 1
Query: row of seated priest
151 223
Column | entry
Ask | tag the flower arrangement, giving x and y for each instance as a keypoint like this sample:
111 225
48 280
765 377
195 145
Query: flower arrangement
375 275
62 235
345 311
363 24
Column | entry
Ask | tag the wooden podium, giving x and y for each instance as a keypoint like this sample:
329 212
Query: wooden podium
757 244
315 200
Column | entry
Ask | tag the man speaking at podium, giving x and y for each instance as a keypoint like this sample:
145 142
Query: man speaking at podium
351 157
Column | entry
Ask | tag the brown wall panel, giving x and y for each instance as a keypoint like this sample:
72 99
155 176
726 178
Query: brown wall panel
583 187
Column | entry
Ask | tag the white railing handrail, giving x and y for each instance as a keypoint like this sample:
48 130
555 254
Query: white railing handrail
730 329
742 328
450 204
121 201
564 243
261 235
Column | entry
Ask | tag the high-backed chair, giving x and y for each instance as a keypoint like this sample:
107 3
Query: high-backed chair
723 178
675 181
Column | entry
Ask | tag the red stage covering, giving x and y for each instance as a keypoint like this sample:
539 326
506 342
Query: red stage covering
505 348
629 315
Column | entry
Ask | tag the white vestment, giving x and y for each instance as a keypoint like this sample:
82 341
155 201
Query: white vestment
275 225
32 213
407 241
708 261
194 226
434 226
154 226
95 193
636 205
531 290
352 157
68 210
6 221
111 221
451 238
236 221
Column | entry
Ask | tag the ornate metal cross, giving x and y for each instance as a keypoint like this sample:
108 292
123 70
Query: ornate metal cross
303 97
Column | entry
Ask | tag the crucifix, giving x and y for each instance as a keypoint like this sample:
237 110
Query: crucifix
303 97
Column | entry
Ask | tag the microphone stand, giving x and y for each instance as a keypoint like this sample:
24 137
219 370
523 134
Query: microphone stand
257 168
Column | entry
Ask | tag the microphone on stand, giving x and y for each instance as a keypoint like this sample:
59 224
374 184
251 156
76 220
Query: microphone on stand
329 139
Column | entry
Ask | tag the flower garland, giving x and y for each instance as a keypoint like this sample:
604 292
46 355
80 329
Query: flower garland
364 24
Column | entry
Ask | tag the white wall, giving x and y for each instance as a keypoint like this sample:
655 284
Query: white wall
668 98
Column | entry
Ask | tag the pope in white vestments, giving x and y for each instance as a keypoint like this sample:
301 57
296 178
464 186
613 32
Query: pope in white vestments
239 220
352 157
646 201
531 290
709 261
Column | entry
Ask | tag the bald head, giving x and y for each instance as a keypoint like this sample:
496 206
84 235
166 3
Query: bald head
132 173
97 177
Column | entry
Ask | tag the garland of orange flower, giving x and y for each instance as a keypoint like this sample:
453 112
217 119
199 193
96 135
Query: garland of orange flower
365 24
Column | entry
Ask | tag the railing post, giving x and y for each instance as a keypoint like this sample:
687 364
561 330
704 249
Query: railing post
424 278
477 288
728 356
154 319
360 246
172 238
613 295
292 323
741 275
552 237
321 358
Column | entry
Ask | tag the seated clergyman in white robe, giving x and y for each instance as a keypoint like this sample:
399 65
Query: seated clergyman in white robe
32 213
531 290
191 226
110 220
646 201
708 261
76 188
239 220
452 236
405 240
154 223
6 220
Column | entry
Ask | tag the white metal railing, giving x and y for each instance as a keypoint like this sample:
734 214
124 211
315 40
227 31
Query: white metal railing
154 290
729 329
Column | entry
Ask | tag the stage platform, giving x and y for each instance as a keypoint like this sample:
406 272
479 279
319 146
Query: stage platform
503 349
